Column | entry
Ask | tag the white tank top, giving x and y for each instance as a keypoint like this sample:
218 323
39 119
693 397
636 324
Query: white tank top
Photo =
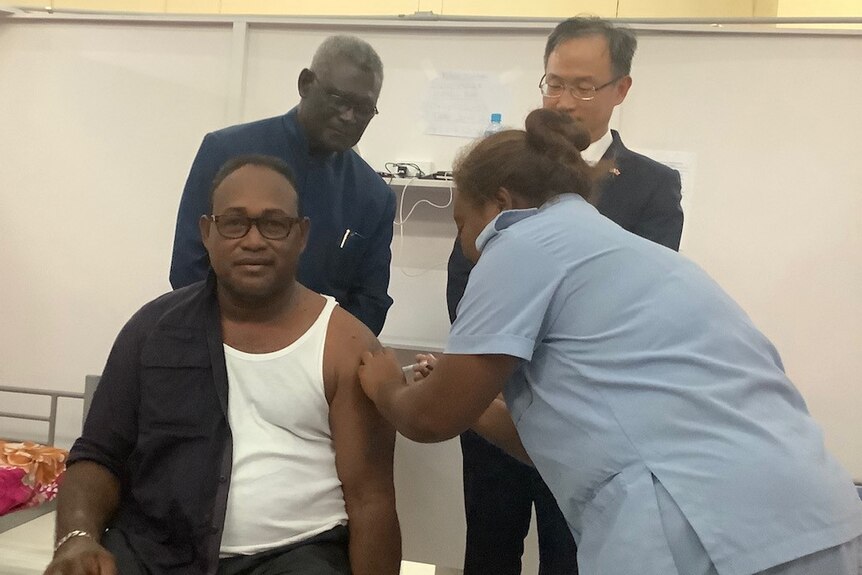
283 486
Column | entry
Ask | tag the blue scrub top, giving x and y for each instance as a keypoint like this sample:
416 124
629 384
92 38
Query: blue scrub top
639 370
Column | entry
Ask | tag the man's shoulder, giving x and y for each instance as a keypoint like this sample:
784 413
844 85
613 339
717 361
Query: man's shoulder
252 133
350 335
347 339
648 164
178 308
637 161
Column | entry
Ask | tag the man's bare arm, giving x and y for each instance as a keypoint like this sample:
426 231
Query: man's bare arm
364 450
87 500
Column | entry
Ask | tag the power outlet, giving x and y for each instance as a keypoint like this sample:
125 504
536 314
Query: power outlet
424 165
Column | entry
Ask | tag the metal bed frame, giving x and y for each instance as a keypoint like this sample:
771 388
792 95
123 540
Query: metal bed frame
16 518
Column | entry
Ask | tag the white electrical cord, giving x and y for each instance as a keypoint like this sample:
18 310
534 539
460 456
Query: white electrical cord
402 220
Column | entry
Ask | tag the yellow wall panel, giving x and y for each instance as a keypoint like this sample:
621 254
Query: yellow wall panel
510 8
535 8
686 8
157 6
435 6
820 8
29 4
192 6
320 7
765 8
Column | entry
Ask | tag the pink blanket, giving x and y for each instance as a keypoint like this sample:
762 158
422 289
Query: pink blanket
30 474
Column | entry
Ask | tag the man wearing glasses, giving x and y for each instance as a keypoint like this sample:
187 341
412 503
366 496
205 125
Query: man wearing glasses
229 433
587 66
350 207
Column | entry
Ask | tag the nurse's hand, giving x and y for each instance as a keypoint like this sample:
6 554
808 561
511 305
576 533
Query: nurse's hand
424 365
377 368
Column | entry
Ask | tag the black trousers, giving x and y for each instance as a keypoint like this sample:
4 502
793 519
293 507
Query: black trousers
499 493
324 554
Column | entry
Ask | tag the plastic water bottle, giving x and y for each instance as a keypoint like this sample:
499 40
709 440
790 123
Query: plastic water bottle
495 125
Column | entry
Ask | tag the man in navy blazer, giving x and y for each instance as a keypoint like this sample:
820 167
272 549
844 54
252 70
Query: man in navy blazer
350 207
641 195
587 66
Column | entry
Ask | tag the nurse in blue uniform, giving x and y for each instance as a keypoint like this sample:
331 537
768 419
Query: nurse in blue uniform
657 413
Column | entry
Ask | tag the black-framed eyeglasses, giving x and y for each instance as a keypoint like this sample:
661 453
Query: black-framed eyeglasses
582 90
235 226
343 104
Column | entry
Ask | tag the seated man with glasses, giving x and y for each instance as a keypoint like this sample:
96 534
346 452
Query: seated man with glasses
229 433
587 67
348 251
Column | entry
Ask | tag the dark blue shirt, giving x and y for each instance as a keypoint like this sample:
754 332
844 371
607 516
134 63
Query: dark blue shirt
350 207
159 422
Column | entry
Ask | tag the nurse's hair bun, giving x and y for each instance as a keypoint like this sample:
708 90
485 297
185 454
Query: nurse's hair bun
534 164
556 134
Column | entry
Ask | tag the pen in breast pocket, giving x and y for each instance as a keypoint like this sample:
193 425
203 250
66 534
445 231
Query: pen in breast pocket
348 233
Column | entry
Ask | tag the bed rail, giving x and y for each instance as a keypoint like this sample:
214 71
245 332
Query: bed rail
51 418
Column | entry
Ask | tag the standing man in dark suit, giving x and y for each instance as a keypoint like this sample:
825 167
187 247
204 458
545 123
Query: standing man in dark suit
587 66
350 208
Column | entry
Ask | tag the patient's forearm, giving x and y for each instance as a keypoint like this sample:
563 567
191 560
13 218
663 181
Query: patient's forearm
87 499
496 426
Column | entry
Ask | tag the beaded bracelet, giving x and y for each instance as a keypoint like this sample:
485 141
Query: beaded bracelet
71 535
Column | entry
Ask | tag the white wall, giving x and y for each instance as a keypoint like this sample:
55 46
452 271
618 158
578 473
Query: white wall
99 123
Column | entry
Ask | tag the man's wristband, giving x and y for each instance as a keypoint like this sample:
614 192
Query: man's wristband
71 535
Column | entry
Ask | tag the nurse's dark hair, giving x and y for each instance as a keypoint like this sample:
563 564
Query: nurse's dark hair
271 162
536 164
